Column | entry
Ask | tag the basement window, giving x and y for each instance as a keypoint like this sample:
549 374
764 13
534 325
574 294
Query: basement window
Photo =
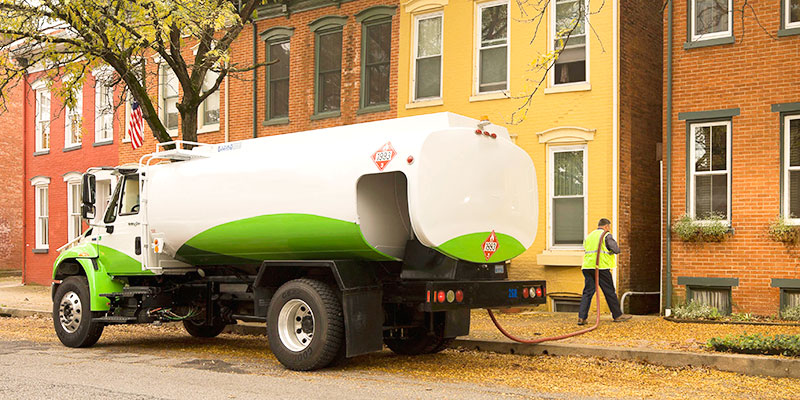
714 292
566 304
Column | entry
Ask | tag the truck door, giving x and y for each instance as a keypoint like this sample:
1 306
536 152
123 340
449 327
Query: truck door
120 247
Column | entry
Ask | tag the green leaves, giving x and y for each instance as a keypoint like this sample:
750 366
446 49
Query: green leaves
786 345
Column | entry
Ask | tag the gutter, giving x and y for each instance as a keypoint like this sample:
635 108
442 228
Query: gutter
666 223
255 83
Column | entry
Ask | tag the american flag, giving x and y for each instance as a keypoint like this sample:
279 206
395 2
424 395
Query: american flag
136 126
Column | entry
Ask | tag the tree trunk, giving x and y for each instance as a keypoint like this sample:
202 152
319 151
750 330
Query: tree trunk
189 124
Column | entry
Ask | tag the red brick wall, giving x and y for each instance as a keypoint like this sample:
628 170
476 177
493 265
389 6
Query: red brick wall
755 72
11 176
640 131
39 267
301 79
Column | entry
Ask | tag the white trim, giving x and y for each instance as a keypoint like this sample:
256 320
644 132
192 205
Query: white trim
715 35
39 119
72 176
424 103
787 24
41 233
496 95
71 213
39 84
68 121
102 72
568 87
415 6
566 134
551 150
693 173
40 180
162 108
414 45
476 56
551 49
787 168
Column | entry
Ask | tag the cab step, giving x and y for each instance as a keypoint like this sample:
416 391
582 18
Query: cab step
131 291
116 319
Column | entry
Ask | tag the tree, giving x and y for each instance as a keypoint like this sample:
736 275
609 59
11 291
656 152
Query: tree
71 37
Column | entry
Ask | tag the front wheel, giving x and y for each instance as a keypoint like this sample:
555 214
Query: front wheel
305 326
72 314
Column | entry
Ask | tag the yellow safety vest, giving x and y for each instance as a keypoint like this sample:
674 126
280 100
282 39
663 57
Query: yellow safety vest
590 245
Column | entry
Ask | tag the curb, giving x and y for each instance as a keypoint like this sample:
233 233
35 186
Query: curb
738 363
23 313
706 321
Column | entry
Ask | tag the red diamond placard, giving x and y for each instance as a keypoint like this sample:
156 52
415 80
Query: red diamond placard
490 246
384 156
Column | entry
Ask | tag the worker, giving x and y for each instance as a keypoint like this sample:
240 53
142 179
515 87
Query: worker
605 263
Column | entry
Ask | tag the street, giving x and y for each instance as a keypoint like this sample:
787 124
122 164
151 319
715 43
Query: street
145 362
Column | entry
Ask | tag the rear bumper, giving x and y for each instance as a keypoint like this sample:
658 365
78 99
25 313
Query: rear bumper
443 295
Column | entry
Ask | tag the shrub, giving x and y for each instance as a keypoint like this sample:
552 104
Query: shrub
781 231
741 317
787 345
696 310
712 229
791 313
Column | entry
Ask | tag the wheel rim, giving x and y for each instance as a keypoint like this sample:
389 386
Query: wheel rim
296 325
70 312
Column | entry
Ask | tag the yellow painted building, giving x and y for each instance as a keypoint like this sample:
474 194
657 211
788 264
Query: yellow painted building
595 114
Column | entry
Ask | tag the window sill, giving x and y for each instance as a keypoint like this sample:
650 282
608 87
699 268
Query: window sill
560 258
569 87
72 148
41 152
275 121
373 109
103 143
488 96
326 115
788 32
424 103
709 42
40 251
208 129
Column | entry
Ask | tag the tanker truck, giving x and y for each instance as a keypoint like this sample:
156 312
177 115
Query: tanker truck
340 240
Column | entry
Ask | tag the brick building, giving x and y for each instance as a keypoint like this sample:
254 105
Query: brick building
732 131
11 176
60 143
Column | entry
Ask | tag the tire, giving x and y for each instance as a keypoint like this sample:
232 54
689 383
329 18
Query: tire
72 314
198 328
315 340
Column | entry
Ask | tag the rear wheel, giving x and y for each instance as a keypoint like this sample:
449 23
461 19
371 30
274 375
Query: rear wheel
72 314
305 326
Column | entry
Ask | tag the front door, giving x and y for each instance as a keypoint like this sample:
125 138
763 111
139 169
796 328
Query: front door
120 245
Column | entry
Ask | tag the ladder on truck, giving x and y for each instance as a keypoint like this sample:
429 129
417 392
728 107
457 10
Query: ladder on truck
179 152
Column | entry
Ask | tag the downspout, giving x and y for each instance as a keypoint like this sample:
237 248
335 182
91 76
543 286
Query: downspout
615 125
667 231
24 243
227 109
255 83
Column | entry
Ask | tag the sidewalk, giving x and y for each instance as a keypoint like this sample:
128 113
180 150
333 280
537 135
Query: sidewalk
644 338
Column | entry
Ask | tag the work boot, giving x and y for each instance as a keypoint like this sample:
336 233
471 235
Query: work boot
581 321
622 318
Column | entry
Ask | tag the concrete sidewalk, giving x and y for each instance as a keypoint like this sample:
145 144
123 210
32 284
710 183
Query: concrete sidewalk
648 339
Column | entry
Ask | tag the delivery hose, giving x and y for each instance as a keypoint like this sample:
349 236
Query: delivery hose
568 335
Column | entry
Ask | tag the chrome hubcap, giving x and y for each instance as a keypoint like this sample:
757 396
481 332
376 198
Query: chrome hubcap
296 325
69 312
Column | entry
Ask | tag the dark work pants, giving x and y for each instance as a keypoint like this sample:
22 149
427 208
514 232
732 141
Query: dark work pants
606 285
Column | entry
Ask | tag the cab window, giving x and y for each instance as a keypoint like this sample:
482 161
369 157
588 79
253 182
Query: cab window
111 211
130 196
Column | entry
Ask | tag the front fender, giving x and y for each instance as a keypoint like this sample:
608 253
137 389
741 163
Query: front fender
85 255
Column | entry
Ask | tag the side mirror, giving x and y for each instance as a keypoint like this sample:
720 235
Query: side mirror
88 189
87 211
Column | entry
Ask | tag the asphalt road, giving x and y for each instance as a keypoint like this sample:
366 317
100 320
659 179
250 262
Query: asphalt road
30 370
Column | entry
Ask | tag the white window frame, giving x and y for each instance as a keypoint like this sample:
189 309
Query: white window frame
707 36
552 48
41 186
414 49
787 168
202 127
103 117
476 66
69 120
162 107
73 180
693 173
551 190
787 24
40 90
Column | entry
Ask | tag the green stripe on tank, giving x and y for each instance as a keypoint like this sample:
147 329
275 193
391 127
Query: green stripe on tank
279 237
470 247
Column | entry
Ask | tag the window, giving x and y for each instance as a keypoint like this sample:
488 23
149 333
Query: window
210 106
41 212
569 41
111 211
717 297
709 166
791 14
329 70
711 19
42 119
103 112
73 121
278 79
568 195
791 172
492 71
376 50
428 57
74 222
169 99
130 196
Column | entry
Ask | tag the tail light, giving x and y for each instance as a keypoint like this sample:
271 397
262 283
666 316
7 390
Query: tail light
459 296
440 296
539 291
525 293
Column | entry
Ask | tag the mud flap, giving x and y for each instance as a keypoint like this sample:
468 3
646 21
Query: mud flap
363 321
